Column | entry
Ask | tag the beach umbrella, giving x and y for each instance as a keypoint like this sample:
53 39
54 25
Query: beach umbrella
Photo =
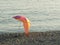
26 23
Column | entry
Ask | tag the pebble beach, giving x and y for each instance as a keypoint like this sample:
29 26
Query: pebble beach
35 38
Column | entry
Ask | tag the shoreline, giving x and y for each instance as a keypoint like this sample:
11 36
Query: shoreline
35 38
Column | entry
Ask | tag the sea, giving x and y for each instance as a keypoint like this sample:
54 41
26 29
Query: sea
44 15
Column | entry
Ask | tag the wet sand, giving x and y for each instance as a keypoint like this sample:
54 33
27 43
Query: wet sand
35 38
